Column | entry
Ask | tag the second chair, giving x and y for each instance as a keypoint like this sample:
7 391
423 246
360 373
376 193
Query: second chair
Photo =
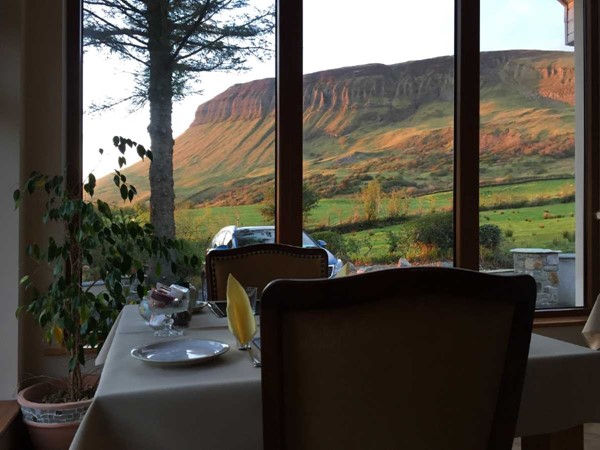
258 265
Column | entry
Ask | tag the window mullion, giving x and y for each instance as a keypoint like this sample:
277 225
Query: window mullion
288 123
466 134
591 151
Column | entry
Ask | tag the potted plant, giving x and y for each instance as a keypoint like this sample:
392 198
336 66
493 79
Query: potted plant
118 247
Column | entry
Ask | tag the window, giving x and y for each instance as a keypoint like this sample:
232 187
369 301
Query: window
466 206
378 130
218 109
527 147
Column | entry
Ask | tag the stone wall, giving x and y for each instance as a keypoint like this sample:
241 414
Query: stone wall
542 265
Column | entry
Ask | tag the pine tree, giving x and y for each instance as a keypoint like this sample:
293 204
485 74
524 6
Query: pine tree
172 42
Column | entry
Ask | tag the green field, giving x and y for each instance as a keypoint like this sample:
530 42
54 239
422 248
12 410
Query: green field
550 225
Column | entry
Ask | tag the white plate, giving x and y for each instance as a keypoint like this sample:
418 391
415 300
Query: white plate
179 352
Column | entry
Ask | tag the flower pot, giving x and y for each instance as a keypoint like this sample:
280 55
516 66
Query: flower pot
51 426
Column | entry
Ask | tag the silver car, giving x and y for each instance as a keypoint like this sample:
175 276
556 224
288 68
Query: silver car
233 237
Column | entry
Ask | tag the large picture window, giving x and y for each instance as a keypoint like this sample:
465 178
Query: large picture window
393 163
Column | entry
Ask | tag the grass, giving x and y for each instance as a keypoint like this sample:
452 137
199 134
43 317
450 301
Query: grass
526 226
547 226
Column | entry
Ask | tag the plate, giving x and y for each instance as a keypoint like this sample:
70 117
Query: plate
179 352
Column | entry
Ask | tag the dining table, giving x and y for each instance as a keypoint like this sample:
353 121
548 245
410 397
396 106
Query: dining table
217 405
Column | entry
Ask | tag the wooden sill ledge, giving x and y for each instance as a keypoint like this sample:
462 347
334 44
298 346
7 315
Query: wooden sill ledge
559 321
9 410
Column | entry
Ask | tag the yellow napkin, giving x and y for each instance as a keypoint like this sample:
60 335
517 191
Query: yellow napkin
344 271
239 313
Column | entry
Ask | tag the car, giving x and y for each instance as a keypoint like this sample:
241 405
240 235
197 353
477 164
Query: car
233 237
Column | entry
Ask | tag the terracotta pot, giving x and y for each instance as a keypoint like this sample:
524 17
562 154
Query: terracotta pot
51 426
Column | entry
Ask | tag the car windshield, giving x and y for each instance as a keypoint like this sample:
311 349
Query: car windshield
265 236
251 237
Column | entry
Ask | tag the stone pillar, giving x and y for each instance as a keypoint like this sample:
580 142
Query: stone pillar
542 265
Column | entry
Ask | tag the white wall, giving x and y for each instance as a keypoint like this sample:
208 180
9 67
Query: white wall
10 112
42 149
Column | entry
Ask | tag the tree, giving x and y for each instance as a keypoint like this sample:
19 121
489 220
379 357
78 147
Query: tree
171 41
371 196
310 200
398 203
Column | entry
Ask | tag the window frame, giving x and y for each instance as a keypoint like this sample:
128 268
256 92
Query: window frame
289 133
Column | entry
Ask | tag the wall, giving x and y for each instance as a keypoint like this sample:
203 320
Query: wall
42 149
10 111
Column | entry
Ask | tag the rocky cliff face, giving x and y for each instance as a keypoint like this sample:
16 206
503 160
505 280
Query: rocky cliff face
395 121
412 83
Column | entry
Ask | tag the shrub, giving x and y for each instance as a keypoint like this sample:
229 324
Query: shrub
490 236
393 241
569 235
336 243
497 258
438 230
435 230
398 241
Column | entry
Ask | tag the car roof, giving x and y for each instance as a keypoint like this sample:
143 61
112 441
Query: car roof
235 229
257 227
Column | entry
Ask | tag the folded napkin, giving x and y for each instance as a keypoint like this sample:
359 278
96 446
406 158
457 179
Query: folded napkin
239 313
591 330
344 271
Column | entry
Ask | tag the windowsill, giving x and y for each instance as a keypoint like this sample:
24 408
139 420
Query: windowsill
559 321
9 410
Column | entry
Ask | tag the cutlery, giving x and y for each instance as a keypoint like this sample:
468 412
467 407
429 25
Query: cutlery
216 312
248 348
253 357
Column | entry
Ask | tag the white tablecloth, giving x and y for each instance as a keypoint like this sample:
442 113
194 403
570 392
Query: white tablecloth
212 406
591 330
562 387
218 405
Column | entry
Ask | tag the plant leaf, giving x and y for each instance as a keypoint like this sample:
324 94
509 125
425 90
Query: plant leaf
17 198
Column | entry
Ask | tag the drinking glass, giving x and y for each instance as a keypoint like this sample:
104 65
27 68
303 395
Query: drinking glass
251 293
168 309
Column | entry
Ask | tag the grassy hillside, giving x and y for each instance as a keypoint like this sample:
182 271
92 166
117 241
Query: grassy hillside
391 122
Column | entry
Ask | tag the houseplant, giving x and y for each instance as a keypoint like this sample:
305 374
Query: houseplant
92 234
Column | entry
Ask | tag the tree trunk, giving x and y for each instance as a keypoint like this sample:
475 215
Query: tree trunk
160 96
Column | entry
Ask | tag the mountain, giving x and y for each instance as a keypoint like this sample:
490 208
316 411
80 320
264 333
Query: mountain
392 121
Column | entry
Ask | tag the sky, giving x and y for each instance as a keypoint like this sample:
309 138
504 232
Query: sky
337 33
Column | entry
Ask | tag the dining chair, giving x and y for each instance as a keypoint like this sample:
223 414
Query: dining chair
411 358
258 265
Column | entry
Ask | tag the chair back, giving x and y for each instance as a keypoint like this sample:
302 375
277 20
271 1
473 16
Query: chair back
258 265
415 358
